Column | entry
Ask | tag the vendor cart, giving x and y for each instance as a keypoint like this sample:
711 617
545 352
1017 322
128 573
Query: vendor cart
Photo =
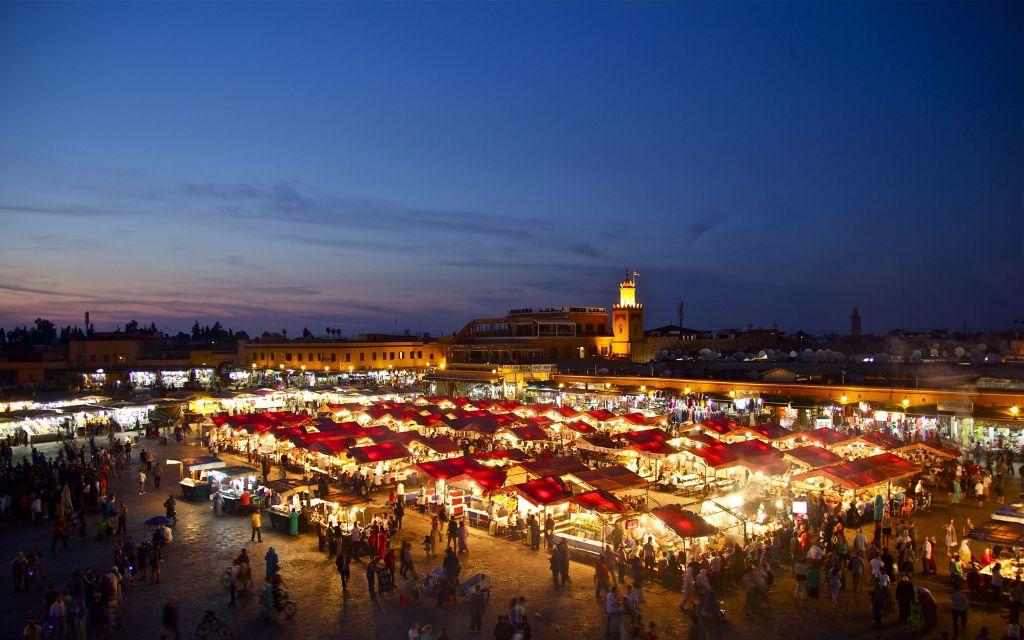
480 582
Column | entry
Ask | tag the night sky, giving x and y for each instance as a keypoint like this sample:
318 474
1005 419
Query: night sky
416 165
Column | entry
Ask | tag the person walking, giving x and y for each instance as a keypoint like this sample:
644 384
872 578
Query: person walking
341 562
122 518
405 560
602 577
158 473
169 621
257 527
959 607
60 533
142 482
399 513
371 575
463 533
155 557
477 604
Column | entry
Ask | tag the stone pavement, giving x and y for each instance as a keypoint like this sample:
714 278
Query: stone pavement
204 545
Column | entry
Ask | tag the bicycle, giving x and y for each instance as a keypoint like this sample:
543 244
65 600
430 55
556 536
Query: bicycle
282 604
212 627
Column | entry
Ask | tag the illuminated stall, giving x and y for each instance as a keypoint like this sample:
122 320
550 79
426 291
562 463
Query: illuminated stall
592 514
195 485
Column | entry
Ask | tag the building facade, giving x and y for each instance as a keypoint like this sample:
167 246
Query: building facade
341 355
552 334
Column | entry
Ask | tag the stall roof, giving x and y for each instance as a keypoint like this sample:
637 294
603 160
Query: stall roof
1013 512
721 425
702 439
529 432
600 501
770 431
446 469
934 448
284 487
238 471
440 444
566 412
1001 532
597 442
646 436
489 478
685 524
501 454
613 478
483 426
379 452
200 463
715 456
330 446
654 448
825 436
759 456
556 467
865 472
813 456
579 427
601 415
543 491
878 439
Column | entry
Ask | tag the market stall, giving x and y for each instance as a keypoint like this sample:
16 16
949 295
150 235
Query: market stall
195 484
591 516
236 484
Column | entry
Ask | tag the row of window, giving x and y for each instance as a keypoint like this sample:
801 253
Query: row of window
333 357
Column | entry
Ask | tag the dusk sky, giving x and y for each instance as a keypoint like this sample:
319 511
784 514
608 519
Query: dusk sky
349 165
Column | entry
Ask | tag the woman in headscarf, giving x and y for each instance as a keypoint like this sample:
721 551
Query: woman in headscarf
929 610
272 563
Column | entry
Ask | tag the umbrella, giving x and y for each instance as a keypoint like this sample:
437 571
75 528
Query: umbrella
158 521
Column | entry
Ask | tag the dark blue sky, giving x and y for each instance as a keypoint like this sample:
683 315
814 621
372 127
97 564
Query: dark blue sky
281 165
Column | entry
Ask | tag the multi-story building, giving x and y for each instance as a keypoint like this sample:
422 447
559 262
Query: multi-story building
553 334
383 352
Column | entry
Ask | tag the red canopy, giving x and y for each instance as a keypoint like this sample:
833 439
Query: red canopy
579 426
814 456
440 444
646 436
566 412
865 472
543 491
600 501
556 467
721 426
379 452
489 478
770 431
529 432
759 456
501 454
685 524
601 415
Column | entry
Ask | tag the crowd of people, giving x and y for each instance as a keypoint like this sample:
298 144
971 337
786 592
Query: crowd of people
62 490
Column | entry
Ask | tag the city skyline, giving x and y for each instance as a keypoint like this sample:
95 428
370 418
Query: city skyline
356 165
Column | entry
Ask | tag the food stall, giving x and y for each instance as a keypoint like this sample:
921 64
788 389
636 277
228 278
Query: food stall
1007 540
540 497
232 482
591 516
283 496
672 529
854 480
195 485
335 508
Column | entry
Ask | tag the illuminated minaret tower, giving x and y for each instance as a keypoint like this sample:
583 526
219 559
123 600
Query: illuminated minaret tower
627 319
